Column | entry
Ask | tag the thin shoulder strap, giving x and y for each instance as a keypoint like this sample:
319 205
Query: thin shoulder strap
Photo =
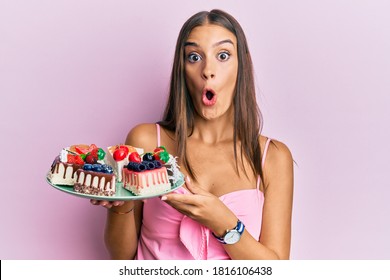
263 160
158 135
265 152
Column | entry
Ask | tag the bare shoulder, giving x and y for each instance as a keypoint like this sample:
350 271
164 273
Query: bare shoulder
279 153
143 136
278 199
278 165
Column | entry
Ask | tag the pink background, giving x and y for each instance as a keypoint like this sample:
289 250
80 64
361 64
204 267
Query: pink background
87 71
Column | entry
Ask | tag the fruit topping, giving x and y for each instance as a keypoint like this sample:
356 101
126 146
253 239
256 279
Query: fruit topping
145 165
148 157
104 168
149 161
80 149
141 167
131 165
94 153
119 154
160 149
149 165
124 148
101 154
135 166
74 159
92 147
107 169
162 156
88 167
135 157
157 164
91 159
93 156
97 168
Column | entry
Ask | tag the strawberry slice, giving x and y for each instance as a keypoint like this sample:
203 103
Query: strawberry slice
94 153
79 160
81 149
160 149
74 159
92 147
162 156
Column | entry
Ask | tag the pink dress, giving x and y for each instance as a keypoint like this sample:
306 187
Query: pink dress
166 234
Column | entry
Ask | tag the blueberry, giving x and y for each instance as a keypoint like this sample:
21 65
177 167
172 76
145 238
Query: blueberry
141 167
150 165
157 164
87 167
107 169
131 165
97 168
148 157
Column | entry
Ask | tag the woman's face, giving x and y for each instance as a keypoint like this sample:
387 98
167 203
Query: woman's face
211 66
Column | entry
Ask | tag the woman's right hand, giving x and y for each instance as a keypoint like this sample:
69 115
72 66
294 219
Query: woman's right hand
108 204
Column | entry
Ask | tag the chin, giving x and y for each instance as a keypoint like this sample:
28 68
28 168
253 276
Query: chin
210 114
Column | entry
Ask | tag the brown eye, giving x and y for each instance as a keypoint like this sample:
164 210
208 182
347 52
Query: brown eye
194 57
223 56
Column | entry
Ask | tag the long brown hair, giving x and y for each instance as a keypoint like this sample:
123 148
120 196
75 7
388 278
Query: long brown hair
179 112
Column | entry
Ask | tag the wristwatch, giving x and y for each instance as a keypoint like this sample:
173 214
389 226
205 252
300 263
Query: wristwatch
233 235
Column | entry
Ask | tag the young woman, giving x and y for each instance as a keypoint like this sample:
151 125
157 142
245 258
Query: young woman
237 199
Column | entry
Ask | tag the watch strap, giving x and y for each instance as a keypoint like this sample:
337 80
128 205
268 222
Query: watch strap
240 227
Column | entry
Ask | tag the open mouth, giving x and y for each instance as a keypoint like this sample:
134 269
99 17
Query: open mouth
209 97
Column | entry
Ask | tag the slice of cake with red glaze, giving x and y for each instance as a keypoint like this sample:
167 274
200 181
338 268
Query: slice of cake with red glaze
147 175
95 179
118 157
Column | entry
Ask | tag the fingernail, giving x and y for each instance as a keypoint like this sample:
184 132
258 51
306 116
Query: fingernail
163 197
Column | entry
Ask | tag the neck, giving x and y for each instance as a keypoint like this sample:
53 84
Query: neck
215 130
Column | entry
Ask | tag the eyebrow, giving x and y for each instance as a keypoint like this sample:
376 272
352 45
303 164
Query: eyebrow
215 45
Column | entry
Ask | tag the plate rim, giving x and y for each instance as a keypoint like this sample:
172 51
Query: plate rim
69 190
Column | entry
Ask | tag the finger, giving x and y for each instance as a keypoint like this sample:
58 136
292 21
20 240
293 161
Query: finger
99 202
183 208
179 198
118 203
106 204
94 202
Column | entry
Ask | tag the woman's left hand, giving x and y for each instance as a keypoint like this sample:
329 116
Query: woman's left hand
203 207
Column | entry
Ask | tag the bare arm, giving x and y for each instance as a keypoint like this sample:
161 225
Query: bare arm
274 242
275 237
121 233
122 230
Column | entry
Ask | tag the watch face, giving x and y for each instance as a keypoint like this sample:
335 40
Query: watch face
232 237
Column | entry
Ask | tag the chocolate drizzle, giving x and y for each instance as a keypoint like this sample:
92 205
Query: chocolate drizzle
81 185
55 167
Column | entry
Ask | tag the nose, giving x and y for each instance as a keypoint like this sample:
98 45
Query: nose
208 70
